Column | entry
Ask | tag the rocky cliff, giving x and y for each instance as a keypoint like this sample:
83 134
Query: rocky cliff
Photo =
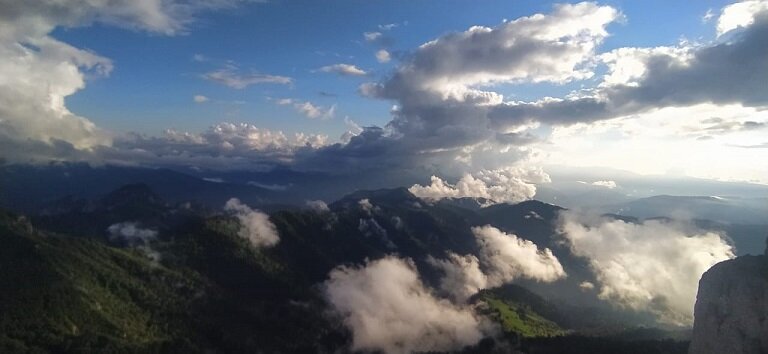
731 313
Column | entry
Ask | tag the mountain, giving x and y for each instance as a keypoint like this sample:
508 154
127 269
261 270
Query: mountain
731 308
30 188
719 209
189 282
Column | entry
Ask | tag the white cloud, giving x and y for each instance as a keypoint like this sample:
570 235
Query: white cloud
200 99
604 184
367 206
254 225
388 309
502 258
372 36
383 56
317 206
653 266
388 26
232 76
739 14
38 72
214 179
508 257
131 233
462 276
308 109
555 47
343 69
507 185
693 138
311 111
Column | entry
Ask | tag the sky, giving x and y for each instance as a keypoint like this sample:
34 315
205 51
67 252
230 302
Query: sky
489 93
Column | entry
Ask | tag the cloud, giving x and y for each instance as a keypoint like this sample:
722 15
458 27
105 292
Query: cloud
317 206
508 185
383 56
442 115
222 146
272 187
556 47
739 15
367 206
388 309
643 79
232 76
369 227
131 235
214 179
311 111
508 257
200 99
372 36
39 72
388 26
652 266
254 225
604 184
308 109
502 258
461 276
343 69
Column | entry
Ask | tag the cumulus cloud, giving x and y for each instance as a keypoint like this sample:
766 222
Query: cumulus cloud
231 76
508 185
388 309
652 266
317 206
462 276
555 47
443 112
502 258
254 225
372 36
509 257
740 14
383 56
343 69
200 99
226 144
644 79
39 72
308 109
368 207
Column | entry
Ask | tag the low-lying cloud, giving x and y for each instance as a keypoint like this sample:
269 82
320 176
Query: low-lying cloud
502 259
508 185
254 225
130 234
389 309
653 266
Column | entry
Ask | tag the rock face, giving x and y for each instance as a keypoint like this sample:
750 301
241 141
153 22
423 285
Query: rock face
731 313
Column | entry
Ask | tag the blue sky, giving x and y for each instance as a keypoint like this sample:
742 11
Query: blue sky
447 88
155 77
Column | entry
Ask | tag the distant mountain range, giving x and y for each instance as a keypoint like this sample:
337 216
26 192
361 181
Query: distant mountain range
194 285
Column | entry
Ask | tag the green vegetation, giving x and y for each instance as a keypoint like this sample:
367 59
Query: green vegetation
67 294
518 317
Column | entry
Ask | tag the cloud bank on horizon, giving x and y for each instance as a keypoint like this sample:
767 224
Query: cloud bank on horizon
699 100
